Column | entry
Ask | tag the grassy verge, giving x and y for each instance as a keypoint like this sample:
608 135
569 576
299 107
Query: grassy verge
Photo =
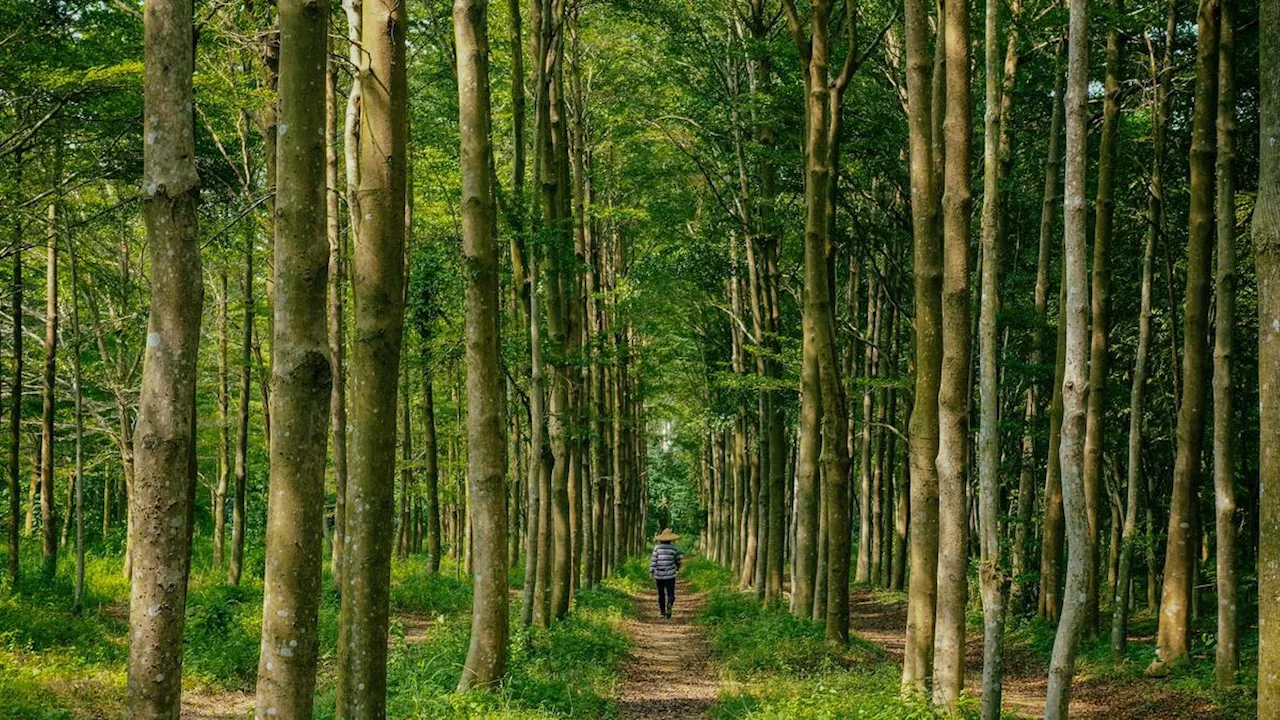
776 665
57 662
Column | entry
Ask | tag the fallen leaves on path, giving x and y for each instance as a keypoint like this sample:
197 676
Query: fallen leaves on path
668 675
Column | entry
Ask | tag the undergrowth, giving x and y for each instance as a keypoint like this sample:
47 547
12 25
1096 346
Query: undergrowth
60 662
776 665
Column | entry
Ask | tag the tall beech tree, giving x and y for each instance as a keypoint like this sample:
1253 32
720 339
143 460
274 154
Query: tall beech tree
164 486
953 391
1074 379
1266 253
378 281
988 447
486 468
923 428
1173 638
1226 658
302 376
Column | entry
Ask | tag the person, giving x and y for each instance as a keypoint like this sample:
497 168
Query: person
663 566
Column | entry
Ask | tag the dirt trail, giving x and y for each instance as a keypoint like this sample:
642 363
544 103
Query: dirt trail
668 674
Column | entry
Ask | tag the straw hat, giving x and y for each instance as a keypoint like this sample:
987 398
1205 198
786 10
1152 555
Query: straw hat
666 536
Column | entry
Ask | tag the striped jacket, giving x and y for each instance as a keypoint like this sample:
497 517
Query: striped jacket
664 562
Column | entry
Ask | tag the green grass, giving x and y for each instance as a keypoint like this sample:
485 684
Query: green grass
58 662
776 665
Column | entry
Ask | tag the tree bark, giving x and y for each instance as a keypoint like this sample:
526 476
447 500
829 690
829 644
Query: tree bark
953 393
1173 636
236 566
15 392
302 376
923 424
224 425
378 274
486 467
1100 296
990 573
337 318
1074 380
1266 249
48 472
163 490
1226 658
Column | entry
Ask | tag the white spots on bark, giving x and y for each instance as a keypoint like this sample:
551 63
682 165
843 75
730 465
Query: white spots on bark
281 129
153 338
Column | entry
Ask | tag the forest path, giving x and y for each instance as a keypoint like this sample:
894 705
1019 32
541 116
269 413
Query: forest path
668 674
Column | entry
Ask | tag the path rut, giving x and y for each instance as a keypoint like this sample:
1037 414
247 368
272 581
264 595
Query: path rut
668 674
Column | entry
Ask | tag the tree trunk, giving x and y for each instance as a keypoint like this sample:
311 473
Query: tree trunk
224 426
431 469
337 319
990 573
404 535
378 274
923 423
1053 540
160 500
302 376
15 392
1224 457
236 567
1266 249
1100 296
78 378
486 467
953 395
1074 380
1173 636
48 472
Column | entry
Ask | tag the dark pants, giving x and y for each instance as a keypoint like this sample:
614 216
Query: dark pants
666 595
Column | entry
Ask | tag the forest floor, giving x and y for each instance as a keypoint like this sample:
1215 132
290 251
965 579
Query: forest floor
1103 690
668 674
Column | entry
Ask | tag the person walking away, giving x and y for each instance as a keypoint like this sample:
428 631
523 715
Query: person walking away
663 566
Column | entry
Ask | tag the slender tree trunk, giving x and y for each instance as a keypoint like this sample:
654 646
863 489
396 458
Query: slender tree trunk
1053 540
301 373
378 274
79 420
862 573
431 469
1074 380
1266 249
990 572
923 424
404 533
486 479
953 395
1224 458
1173 636
236 567
48 472
1100 296
15 391
224 426
163 490
336 319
